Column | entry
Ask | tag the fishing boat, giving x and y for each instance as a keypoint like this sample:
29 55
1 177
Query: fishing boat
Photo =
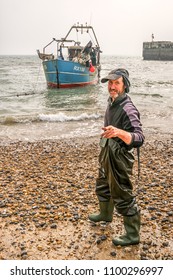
73 64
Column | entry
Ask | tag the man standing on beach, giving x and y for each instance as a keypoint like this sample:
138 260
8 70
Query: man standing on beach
121 133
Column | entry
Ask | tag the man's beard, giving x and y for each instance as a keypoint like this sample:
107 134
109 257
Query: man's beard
114 94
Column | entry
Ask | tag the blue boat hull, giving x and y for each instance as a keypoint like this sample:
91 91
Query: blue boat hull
64 74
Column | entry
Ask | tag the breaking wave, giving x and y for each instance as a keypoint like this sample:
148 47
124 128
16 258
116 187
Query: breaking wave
61 117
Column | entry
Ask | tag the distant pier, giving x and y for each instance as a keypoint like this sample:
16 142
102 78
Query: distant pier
158 50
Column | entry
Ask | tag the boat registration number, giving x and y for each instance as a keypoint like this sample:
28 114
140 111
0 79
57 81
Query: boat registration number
78 68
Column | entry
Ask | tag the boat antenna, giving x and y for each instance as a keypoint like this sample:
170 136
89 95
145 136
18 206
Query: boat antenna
90 18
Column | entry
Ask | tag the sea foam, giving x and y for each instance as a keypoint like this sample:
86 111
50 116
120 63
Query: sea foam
61 117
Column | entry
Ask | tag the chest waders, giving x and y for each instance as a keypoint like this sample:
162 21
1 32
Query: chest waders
114 188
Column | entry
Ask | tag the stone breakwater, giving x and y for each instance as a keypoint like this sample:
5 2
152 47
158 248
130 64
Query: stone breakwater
47 192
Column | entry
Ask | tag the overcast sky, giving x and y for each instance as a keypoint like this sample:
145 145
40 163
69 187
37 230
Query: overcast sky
121 26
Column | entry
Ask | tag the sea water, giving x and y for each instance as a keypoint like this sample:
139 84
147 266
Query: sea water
29 111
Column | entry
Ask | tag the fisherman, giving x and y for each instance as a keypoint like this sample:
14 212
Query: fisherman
122 132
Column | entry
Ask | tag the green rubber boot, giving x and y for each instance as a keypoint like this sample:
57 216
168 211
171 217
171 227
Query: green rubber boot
106 212
132 227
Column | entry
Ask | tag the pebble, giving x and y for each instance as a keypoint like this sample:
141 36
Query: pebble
165 244
145 247
53 226
23 253
40 248
113 254
103 237
98 241
50 185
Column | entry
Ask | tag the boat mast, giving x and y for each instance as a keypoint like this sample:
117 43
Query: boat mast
82 27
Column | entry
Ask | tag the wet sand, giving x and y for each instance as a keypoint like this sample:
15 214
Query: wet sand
47 191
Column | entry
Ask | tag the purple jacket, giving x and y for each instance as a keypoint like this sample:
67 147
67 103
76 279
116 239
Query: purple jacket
124 115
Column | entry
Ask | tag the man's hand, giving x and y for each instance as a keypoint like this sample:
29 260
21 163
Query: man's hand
111 132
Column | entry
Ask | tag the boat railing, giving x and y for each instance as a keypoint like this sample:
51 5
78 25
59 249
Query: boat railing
45 56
